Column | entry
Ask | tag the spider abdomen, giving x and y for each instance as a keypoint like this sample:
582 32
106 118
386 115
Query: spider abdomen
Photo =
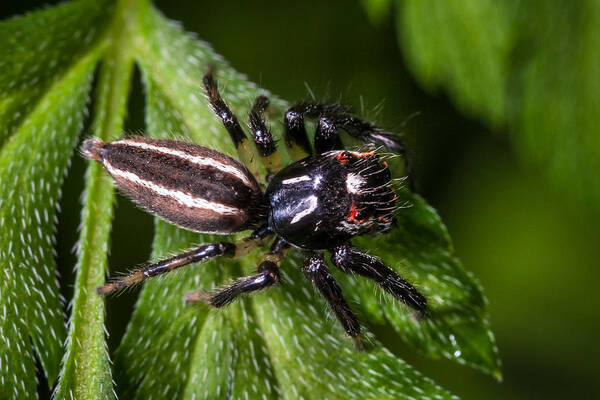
188 185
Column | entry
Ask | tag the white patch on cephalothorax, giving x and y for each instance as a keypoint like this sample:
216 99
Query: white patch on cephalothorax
354 183
317 181
308 206
297 179
198 160
182 198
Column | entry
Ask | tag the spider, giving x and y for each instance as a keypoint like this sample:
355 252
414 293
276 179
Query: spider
316 204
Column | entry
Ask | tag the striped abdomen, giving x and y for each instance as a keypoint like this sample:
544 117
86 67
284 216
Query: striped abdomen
188 185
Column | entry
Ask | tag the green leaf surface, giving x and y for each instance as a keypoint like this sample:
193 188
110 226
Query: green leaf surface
32 59
45 77
314 359
530 66
420 249
86 372
32 166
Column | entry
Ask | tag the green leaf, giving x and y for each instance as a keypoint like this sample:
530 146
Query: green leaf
86 372
32 59
377 10
314 360
462 46
531 66
420 249
45 77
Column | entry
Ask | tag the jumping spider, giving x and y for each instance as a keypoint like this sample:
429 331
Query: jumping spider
315 204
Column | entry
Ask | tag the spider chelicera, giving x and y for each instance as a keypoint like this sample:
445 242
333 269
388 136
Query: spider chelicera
315 204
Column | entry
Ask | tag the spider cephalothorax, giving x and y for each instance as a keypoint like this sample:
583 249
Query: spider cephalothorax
322 201
316 204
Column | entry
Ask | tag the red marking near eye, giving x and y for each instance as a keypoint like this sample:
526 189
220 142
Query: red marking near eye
352 215
343 157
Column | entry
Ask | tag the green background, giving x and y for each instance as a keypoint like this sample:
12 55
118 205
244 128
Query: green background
533 246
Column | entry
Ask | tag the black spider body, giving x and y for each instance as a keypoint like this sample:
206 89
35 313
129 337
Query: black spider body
317 203
323 201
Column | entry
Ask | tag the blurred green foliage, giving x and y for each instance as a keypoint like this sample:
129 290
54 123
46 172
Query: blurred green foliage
531 67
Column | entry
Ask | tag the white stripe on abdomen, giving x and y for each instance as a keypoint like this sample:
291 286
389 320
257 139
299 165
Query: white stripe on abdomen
182 198
200 161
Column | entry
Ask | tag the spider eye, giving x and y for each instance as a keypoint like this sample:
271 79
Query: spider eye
355 215
345 156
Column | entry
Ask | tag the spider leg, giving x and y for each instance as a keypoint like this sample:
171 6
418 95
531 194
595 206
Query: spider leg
326 135
351 260
333 117
268 275
296 140
317 272
230 121
370 133
199 254
263 139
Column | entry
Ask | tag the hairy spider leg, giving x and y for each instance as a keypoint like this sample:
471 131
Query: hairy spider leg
372 134
350 260
199 254
318 274
296 139
332 117
230 121
327 136
268 275
263 139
